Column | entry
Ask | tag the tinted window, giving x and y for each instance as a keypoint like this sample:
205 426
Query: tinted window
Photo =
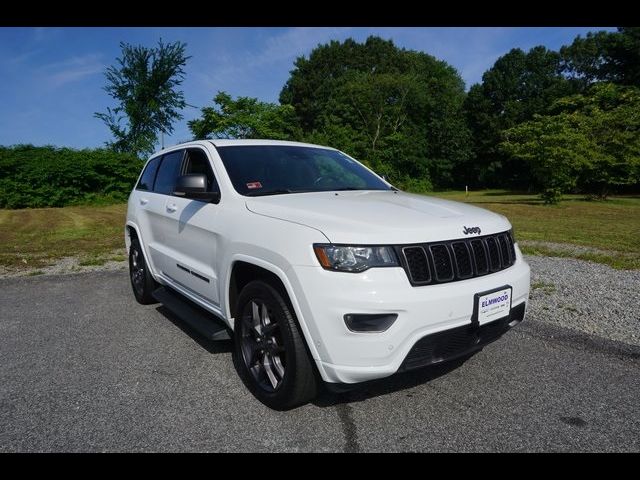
149 175
273 169
197 162
169 172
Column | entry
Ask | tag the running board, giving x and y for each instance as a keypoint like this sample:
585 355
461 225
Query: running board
199 319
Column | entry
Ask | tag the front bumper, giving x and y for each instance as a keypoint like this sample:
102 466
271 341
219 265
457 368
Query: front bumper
344 356
460 341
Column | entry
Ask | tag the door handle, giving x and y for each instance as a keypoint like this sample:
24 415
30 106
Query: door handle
172 208
144 201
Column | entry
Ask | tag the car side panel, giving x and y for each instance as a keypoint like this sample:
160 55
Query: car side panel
192 241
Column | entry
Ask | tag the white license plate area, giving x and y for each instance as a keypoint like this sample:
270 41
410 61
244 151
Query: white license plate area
493 305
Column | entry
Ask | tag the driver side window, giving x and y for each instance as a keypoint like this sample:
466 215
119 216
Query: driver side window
198 162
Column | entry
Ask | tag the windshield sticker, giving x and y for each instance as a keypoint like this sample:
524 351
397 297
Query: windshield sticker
252 185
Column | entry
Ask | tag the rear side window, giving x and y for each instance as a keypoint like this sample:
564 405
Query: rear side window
197 162
168 173
149 175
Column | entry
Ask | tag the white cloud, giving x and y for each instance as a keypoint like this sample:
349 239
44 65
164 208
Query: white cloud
72 69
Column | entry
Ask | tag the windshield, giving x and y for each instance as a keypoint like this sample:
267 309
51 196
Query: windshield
257 170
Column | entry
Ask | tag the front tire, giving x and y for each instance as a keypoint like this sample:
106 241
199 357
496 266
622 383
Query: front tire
142 282
270 353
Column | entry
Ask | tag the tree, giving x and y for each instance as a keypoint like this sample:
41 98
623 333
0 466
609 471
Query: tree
367 115
144 83
399 111
604 56
589 142
518 86
555 147
245 117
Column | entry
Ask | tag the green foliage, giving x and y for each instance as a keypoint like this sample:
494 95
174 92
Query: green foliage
589 142
554 147
530 124
605 56
245 117
145 86
518 86
398 111
55 177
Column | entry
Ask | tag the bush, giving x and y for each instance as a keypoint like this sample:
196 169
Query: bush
551 195
56 177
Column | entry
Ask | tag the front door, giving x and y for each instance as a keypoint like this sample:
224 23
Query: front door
194 233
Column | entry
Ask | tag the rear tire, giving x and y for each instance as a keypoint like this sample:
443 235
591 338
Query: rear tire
142 283
270 352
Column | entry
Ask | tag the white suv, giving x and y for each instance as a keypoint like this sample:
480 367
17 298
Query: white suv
317 267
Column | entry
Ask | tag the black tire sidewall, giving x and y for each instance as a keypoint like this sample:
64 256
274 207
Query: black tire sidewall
285 395
148 284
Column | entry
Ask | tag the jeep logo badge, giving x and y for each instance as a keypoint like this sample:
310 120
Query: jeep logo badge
468 230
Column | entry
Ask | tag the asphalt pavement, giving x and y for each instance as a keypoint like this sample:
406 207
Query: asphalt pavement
83 367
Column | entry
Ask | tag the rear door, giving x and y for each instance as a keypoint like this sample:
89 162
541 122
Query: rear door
143 199
162 215
194 236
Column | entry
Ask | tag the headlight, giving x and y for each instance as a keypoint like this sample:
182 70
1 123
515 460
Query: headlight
351 258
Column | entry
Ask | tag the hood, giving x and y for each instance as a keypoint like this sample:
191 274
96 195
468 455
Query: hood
379 217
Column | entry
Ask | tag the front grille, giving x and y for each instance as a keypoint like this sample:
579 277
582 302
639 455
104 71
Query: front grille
480 256
494 254
442 262
463 259
417 264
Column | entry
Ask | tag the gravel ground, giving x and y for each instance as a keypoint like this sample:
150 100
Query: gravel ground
64 265
586 296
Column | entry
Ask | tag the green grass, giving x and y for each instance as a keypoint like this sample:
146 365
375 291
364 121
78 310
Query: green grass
92 261
34 238
95 259
619 260
544 286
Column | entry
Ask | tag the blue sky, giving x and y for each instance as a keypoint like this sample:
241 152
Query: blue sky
52 78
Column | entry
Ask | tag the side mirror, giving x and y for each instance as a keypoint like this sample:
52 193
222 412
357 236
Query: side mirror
194 186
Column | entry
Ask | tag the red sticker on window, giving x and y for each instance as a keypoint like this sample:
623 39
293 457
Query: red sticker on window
252 185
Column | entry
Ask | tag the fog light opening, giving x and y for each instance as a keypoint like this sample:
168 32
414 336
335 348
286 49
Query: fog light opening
369 322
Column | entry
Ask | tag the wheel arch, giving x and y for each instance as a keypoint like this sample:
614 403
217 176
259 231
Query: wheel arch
131 230
243 269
